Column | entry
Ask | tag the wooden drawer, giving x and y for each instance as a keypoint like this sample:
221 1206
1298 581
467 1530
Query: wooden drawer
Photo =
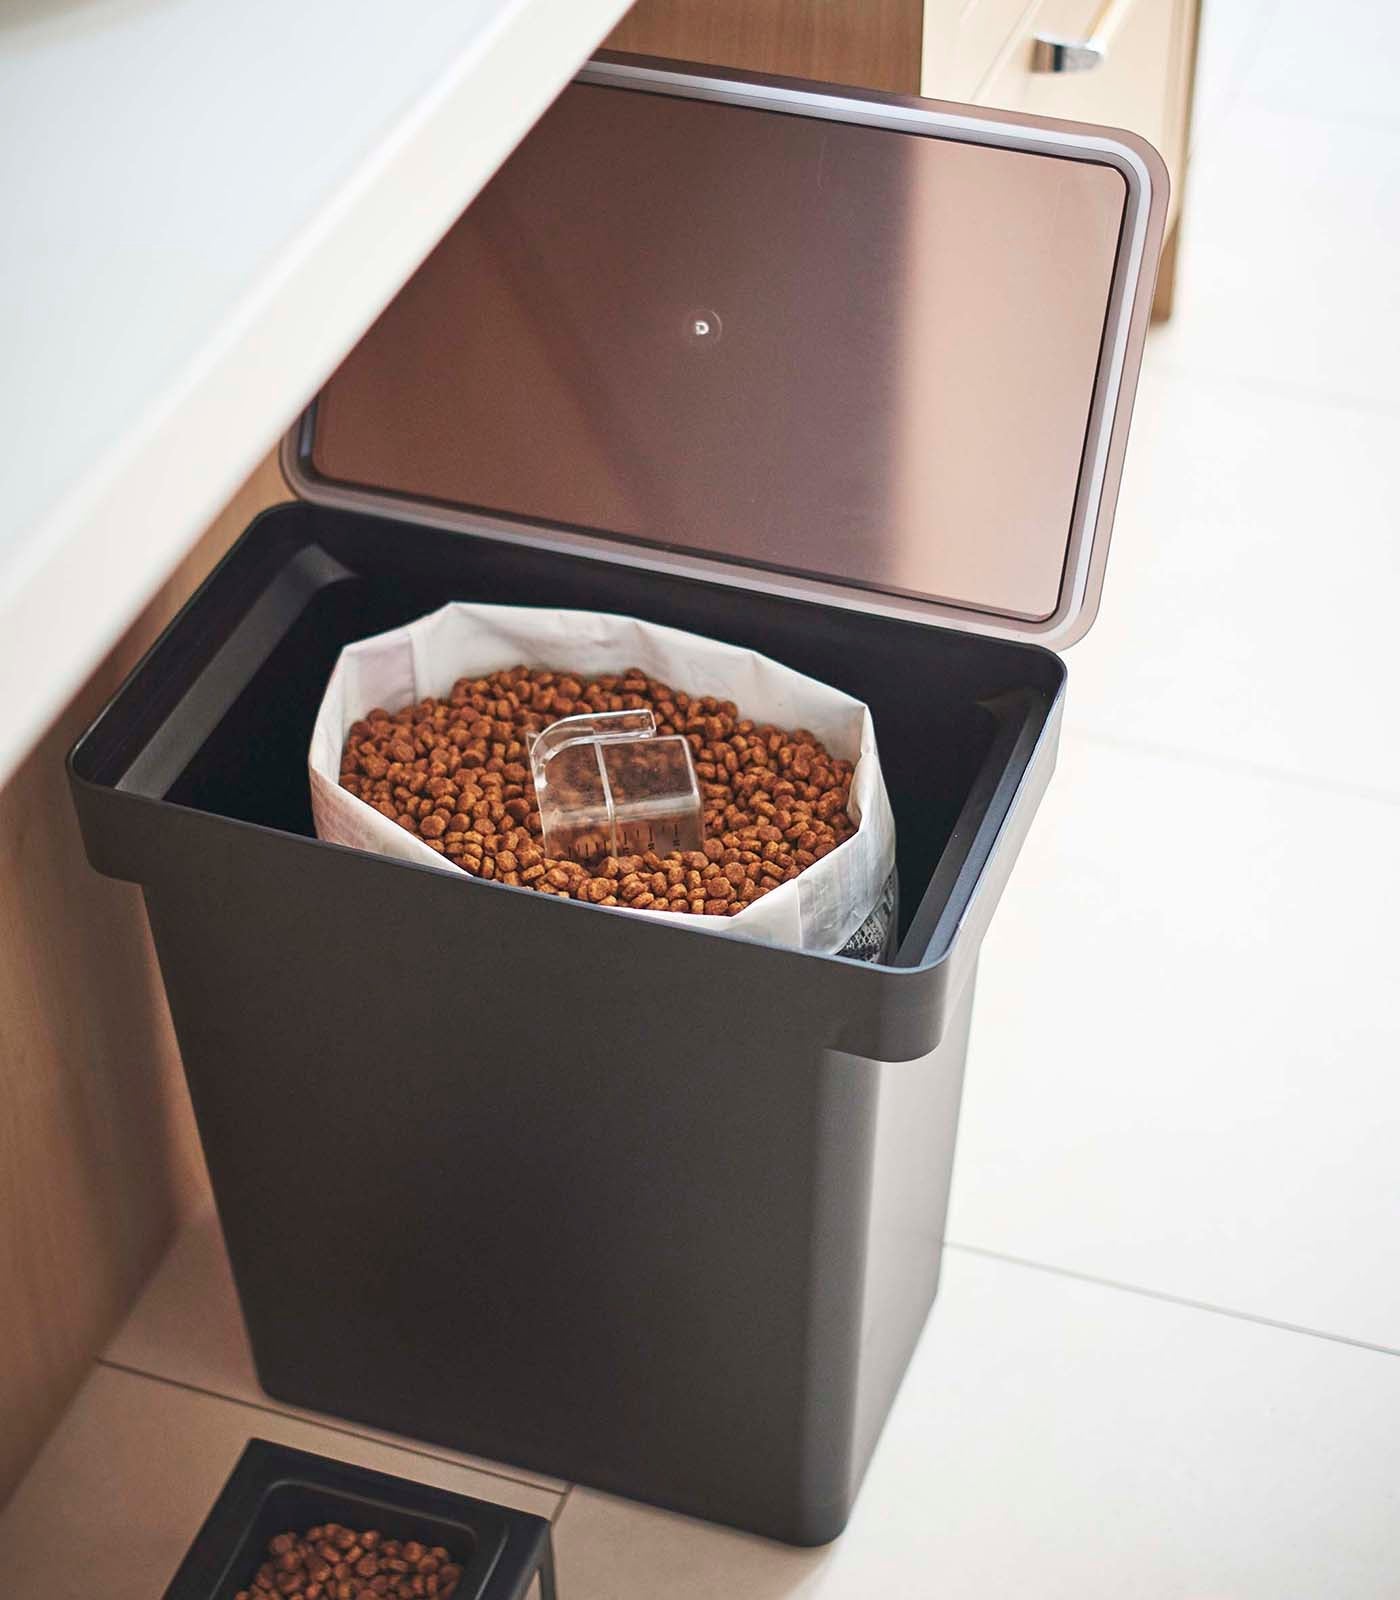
963 39
1140 84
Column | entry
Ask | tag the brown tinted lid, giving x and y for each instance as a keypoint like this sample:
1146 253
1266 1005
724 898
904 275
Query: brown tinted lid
879 351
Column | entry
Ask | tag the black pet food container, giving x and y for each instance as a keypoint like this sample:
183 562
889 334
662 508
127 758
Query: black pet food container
842 377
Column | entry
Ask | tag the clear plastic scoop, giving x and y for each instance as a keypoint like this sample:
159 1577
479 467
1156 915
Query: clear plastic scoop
607 784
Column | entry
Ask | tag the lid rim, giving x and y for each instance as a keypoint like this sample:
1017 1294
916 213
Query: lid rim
1054 634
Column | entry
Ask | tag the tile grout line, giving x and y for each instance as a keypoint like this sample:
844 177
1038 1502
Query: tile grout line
317 1420
1171 1299
1235 765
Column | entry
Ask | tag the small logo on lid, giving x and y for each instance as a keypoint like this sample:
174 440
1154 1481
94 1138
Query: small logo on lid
703 329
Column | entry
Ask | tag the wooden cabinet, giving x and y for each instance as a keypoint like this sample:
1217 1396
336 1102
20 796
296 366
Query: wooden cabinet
870 42
99 1162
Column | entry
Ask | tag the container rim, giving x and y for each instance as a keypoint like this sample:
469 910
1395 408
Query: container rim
123 822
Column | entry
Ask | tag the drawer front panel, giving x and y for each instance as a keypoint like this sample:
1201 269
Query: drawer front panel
963 40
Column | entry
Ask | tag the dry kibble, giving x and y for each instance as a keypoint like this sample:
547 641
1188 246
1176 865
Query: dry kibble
454 773
335 1563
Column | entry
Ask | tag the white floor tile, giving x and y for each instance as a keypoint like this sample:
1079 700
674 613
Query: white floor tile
187 1328
121 1488
1287 271
1341 60
1249 607
1183 1069
1231 34
1060 1441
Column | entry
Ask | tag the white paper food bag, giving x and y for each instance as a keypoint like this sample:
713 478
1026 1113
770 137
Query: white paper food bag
826 908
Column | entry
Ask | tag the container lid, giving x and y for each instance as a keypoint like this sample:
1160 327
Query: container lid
876 351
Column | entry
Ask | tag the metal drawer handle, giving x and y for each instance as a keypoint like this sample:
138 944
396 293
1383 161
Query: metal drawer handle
1050 54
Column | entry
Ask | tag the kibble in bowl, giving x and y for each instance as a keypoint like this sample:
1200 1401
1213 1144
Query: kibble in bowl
421 750
331 1562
